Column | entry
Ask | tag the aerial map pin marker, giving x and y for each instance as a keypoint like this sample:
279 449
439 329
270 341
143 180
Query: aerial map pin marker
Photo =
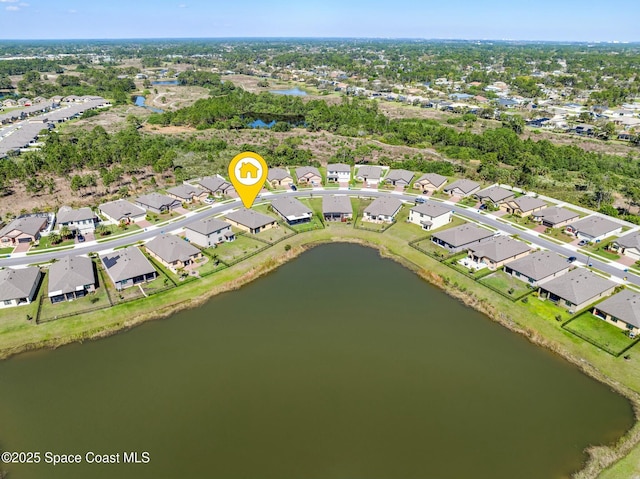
248 172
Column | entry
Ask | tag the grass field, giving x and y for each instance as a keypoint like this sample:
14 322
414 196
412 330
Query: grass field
600 332
506 283
239 248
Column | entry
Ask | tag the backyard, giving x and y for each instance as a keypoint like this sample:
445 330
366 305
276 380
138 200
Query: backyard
607 336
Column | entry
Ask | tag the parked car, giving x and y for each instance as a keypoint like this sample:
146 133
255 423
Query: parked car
583 243
80 238
420 200
209 201
294 188
571 259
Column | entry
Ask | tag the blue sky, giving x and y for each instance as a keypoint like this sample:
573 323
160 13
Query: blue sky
574 20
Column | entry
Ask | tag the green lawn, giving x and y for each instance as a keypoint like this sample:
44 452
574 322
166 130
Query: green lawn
240 247
432 248
6 250
45 243
600 332
545 309
273 234
559 234
90 302
525 221
505 283
601 249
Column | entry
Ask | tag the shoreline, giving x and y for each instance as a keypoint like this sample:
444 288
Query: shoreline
599 457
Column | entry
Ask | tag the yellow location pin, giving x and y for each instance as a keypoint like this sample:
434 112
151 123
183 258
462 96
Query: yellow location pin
248 172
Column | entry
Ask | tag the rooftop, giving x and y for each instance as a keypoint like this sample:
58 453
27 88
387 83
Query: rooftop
277 174
171 248
290 207
120 209
70 273
339 168
463 234
500 248
595 226
496 194
434 178
578 286
540 265
383 206
185 191
464 185
30 225
528 203
17 283
336 204
66 214
400 175
624 306
250 218
208 226
556 214
126 263
369 172
430 209
156 200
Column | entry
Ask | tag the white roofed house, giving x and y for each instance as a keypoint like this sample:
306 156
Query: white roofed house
83 219
173 252
71 277
187 193
430 182
292 210
122 211
382 210
430 216
309 175
338 173
399 178
19 286
594 228
209 232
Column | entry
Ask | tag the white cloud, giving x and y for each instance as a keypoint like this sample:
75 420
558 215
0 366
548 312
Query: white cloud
23 4
12 8
8 1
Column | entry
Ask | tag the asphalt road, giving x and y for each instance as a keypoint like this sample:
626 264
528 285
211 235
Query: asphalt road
219 208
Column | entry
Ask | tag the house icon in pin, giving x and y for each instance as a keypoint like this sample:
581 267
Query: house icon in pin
248 170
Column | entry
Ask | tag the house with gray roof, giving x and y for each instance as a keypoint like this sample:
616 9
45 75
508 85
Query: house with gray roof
621 310
494 195
430 182
369 174
216 185
555 216
122 211
157 203
128 267
628 245
523 205
538 267
309 175
71 277
82 219
279 177
209 232
251 221
173 251
337 208
19 286
460 238
292 210
22 230
497 251
382 210
594 228
462 187
338 173
187 193
577 289
399 178
430 215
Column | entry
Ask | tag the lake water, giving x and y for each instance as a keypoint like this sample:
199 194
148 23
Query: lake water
339 365
292 91
261 124
140 101
165 82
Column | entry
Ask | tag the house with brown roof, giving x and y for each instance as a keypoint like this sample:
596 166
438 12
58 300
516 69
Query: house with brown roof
19 286
173 252
309 175
628 245
430 182
577 289
22 230
497 251
538 267
523 205
187 193
621 310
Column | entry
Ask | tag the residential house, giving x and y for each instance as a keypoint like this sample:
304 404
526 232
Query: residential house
22 230
309 175
523 205
555 216
462 187
594 228
338 173
187 193
382 210
497 251
292 210
71 277
172 251
494 195
621 310
82 220
537 268
128 267
251 221
430 182
399 178
369 175
577 289
337 208
216 185
460 238
430 216
19 286
158 203
279 177
209 232
122 211
628 245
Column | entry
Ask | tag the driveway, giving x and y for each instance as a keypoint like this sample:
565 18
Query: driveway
22 248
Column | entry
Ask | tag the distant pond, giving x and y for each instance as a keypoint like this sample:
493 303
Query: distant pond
140 101
292 91
165 82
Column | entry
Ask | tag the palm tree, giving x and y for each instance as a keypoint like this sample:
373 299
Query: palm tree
54 238
65 231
